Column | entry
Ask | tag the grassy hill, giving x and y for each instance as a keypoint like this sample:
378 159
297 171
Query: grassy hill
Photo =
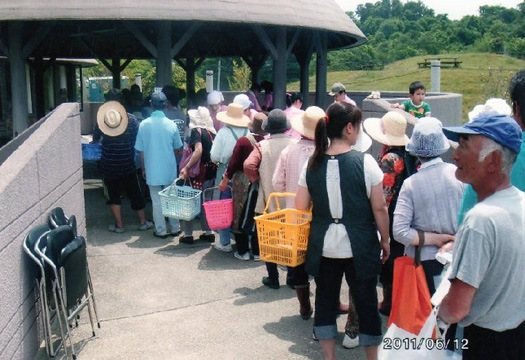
480 77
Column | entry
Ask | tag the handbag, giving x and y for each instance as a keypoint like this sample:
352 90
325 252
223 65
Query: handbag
410 295
401 344
187 152
194 170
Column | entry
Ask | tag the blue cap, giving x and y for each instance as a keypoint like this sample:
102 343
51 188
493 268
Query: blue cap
501 128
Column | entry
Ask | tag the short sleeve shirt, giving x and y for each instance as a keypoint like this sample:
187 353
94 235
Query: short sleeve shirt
415 110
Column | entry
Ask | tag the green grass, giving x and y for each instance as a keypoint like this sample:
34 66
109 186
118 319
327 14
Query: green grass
481 76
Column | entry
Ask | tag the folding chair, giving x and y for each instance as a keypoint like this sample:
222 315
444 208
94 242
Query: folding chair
57 217
52 295
66 267
40 282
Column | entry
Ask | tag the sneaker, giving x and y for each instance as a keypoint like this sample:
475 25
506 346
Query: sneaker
245 256
160 235
186 239
146 226
207 237
114 228
349 343
176 233
224 248
270 283
256 258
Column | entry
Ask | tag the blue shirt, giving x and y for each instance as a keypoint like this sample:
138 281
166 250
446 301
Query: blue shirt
158 138
517 178
118 153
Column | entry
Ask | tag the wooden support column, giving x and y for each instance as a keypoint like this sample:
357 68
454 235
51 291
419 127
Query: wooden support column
18 77
304 58
279 70
255 63
190 75
115 71
71 78
163 73
321 99
40 103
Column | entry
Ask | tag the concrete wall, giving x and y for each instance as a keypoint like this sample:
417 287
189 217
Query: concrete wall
445 107
39 172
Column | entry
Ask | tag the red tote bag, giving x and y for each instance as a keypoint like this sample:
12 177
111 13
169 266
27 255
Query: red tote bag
410 296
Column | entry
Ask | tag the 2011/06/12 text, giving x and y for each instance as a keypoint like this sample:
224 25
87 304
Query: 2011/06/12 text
428 343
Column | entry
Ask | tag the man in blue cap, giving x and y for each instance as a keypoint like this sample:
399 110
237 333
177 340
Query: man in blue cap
487 283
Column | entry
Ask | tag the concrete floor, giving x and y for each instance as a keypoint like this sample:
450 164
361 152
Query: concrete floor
158 299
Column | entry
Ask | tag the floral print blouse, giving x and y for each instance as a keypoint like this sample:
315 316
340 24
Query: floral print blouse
392 166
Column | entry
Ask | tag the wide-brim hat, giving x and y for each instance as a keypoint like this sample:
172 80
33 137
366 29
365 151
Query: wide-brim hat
255 126
363 142
233 116
388 130
276 123
428 139
112 118
306 122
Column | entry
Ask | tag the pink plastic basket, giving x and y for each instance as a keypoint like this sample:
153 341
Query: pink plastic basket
219 213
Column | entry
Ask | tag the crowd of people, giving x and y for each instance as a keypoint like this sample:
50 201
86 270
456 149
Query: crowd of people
366 211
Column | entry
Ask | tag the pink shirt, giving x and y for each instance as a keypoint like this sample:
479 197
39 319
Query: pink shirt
216 123
291 161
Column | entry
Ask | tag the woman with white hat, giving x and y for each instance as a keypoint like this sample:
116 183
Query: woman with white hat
214 100
202 134
344 189
429 200
390 131
235 126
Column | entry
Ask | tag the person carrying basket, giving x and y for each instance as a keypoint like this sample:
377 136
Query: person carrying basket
344 188
201 140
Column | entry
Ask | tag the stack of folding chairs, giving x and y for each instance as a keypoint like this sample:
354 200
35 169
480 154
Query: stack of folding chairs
63 282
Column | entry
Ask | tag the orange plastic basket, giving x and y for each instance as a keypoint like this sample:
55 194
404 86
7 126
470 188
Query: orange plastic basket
283 234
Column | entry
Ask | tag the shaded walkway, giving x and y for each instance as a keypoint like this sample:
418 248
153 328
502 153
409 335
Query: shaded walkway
158 299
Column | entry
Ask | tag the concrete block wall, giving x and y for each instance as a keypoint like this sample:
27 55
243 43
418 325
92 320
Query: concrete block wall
41 173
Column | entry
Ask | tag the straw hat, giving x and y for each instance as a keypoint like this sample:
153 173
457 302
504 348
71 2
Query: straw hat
201 118
233 116
389 130
112 118
306 122
363 142
427 139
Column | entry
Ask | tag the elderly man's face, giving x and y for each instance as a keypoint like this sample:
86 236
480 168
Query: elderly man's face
466 157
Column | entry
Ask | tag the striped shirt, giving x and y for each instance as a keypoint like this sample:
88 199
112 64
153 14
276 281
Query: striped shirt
118 152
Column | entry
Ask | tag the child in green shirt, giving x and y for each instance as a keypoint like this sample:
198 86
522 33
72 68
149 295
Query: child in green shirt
415 106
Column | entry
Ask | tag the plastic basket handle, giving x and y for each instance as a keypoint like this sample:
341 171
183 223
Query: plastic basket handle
275 196
174 185
213 188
